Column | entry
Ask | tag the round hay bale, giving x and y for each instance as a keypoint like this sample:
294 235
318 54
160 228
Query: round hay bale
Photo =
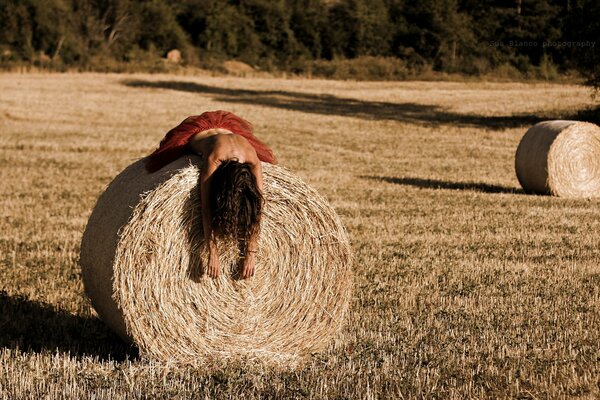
143 256
561 158
174 56
237 67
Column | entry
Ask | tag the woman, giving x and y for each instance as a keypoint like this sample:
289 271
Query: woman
230 179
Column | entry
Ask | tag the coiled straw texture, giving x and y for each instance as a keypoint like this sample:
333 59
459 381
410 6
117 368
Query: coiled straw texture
143 258
561 158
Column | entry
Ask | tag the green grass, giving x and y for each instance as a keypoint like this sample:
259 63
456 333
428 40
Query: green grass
464 286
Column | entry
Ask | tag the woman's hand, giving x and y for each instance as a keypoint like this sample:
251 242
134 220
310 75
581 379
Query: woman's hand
214 266
248 265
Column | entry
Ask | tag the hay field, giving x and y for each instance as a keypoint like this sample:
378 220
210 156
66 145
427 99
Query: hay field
464 286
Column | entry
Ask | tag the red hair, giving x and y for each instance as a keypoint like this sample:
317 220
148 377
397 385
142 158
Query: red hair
175 143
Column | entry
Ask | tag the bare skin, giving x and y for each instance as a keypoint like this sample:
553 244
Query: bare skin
217 146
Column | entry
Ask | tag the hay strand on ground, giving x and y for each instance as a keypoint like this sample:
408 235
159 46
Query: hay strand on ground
560 158
142 257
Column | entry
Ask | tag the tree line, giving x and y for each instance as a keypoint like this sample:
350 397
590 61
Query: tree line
475 37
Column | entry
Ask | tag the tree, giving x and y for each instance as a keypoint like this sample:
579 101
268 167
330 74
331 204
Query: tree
438 31
158 27
271 22
16 34
358 28
220 29
514 32
34 26
308 21
582 31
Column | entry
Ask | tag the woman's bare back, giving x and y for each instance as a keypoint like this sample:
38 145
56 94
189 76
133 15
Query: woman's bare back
219 145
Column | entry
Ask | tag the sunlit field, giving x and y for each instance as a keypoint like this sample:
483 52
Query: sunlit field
465 287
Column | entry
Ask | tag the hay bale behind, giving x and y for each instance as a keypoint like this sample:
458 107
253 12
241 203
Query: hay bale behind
143 257
237 68
561 158
174 56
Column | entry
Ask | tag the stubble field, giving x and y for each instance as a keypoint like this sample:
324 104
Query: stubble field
465 287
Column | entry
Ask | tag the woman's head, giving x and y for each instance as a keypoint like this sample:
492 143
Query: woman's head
236 201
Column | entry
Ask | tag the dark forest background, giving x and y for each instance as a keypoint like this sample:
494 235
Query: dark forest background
368 39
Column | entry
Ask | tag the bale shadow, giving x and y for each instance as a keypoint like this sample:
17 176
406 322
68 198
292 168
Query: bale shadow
589 114
34 326
347 107
445 185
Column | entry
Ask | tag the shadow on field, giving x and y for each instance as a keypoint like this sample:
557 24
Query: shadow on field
32 326
347 107
437 184
589 114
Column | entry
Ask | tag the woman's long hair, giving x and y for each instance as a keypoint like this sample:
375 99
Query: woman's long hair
236 202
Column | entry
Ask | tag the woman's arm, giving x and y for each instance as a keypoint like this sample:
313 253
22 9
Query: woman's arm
210 165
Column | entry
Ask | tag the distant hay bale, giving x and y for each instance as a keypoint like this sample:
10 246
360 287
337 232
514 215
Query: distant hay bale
237 67
561 158
142 258
174 56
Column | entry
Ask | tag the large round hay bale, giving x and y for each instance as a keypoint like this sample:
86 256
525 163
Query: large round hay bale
561 158
143 255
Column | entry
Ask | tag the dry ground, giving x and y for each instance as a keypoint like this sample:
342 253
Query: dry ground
464 286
